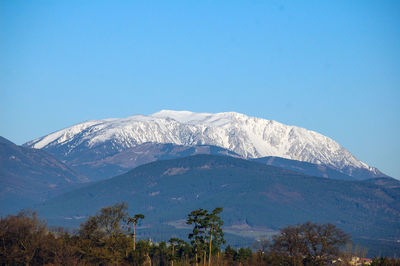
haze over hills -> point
(305, 168)
(98, 163)
(119, 163)
(29, 176)
(257, 199)
(265, 174)
(248, 137)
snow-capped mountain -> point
(249, 137)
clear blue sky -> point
(329, 66)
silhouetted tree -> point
(173, 241)
(384, 261)
(25, 240)
(230, 254)
(309, 243)
(206, 227)
(261, 246)
(243, 255)
(103, 238)
(134, 220)
(199, 234)
(213, 224)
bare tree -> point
(309, 243)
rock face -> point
(250, 137)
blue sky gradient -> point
(328, 66)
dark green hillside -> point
(105, 161)
(257, 199)
(307, 168)
(30, 176)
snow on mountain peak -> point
(181, 116)
(249, 137)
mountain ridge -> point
(112, 164)
(250, 137)
(252, 194)
(31, 175)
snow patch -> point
(249, 137)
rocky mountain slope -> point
(250, 137)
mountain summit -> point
(249, 137)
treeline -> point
(108, 238)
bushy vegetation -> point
(108, 238)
